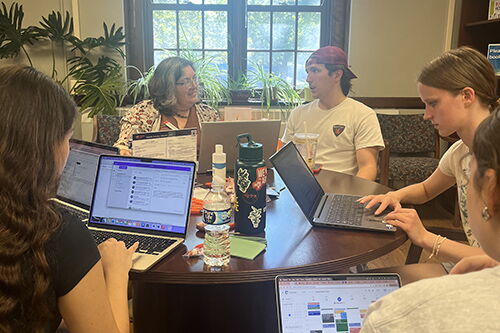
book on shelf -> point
(494, 57)
(494, 10)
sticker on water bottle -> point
(255, 216)
(217, 216)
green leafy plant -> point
(139, 88)
(273, 89)
(97, 79)
(13, 37)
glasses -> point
(187, 82)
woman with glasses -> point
(174, 104)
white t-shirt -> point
(453, 303)
(455, 163)
(342, 130)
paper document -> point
(175, 145)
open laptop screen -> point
(142, 193)
(329, 303)
(299, 180)
(77, 180)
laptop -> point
(76, 185)
(320, 208)
(145, 200)
(330, 302)
(225, 132)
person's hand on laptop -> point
(408, 220)
(116, 258)
(385, 200)
(125, 152)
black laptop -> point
(320, 208)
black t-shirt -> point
(71, 252)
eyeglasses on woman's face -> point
(187, 82)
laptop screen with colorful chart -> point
(329, 303)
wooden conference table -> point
(179, 295)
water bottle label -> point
(218, 165)
(217, 216)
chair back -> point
(409, 134)
(106, 128)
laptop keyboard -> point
(82, 216)
(345, 211)
(147, 245)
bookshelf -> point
(475, 28)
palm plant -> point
(98, 79)
(13, 37)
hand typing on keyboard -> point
(116, 258)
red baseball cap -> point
(331, 55)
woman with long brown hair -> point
(459, 90)
(49, 264)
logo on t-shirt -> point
(338, 129)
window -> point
(238, 35)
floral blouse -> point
(143, 117)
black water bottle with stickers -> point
(250, 175)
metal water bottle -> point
(250, 174)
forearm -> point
(412, 194)
(367, 172)
(450, 250)
(116, 286)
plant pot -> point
(240, 95)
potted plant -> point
(98, 80)
(274, 90)
(240, 90)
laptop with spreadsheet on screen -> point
(145, 200)
(320, 208)
(329, 302)
(76, 185)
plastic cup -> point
(307, 144)
(216, 248)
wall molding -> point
(392, 102)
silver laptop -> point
(329, 302)
(145, 200)
(225, 132)
(320, 208)
(77, 180)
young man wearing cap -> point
(349, 132)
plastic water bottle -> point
(216, 215)
(216, 248)
(217, 204)
(219, 162)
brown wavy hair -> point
(35, 115)
(486, 150)
(162, 84)
(459, 68)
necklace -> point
(180, 115)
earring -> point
(485, 214)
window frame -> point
(139, 29)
